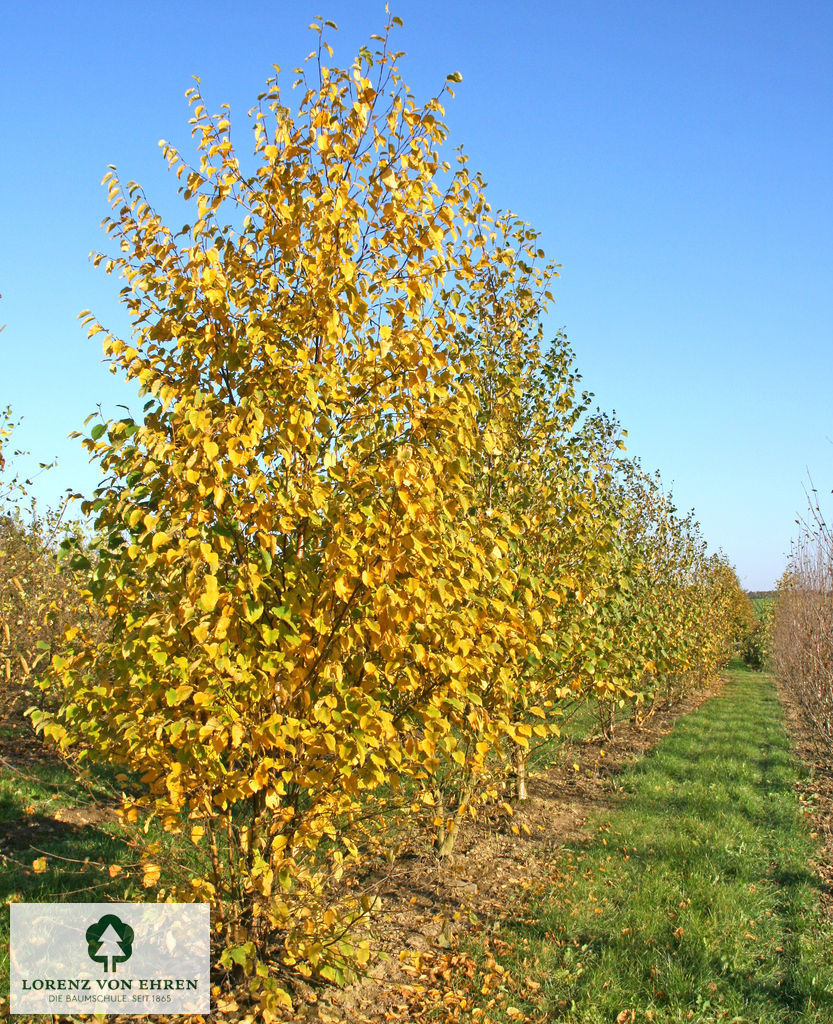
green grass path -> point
(693, 901)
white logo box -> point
(129, 958)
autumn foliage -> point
(39, 593)
(367, 533)
(802, 622)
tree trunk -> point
(446, 837)
(521, 792)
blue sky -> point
(677, 159)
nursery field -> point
(373, 638)
(672, 878)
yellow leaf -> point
(159, 539)
(210, 556)
(211, 594)
(151, 875)
(283, 998)
(39, 865)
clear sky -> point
(677, 158)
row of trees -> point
(368, 535)
(39, 597)
(802, 628)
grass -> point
(693, 901)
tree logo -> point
(109, 941)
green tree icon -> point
(110, 939)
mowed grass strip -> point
(692, 902)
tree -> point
(288, 571)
